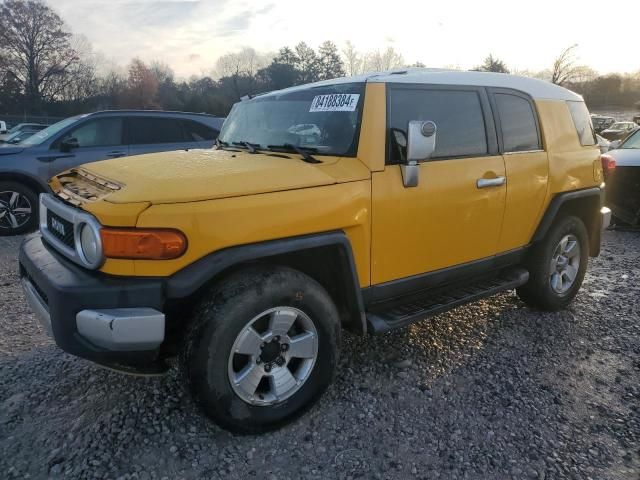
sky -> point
(189, 35)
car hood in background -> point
(195, 175)
(626, 157)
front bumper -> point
(116, 322)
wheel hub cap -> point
(273, 356)
(15, 210)
(565, 264)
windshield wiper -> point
(302, 151)
(252, 147)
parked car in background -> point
(18, 137)
(601, 122)
(636, 119)
(622, 170)
(21, 127)
(603, 143)
(619, 130)
(26, 166)
(3, 127)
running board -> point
(399, 313)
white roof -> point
(537, 89)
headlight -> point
(90, 245)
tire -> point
(551, 290)
(15, 200)
(261, 297)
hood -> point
(9, 149)
(626, 157)
(195, 175)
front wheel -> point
(18, 208)
(557, 266)
(261, 349)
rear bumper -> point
(116, 322)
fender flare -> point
(194, 276)
(556, 204)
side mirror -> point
(69, 144)
(421, 143)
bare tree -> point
(37, 48)
(380, 61)
(352, 59)
(565, 68)
(241, 67)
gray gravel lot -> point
(490, 390)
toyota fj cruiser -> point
(364, 203)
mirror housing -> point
(421, 143)
(69, 144)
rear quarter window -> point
(582, 122)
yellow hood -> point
(189, 176)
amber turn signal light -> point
(142, 244)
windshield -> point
(619, 126)
(43, 135)
(633, 141)
(326, 119)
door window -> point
(197, 132)
(101, 132)
(518, 122)
(457, 114)
(153, 130)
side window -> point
(582, 122)
(457, 114)
(101, 132)
(198, 132)
(151, 130)
(518, 122)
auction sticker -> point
(335, 102)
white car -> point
(3, 127)
(604, 144)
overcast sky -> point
(190, 35)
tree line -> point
(45, 69)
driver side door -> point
(454, 214)
(98, 139)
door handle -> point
(115, 154)
(491, 182)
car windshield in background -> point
(325, 119)
(43, 135)
(632, 142)
(618, 126)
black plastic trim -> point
(191, 278)
(405, 286)
(557, 202)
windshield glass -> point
(632, 142)
(325, 118)
(43, 135)
(618, 126)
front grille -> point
(60, 228)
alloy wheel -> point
(15, 210)
(273, 356)
(565, 264)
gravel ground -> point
(490, 390)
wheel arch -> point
(325, 257)
(27, 180)
(584, 204)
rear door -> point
(148, 134)
(526, 165)
(98, 139)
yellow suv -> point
(363, 203)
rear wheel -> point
(18, 208)
(557, 266)
(262, 348)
